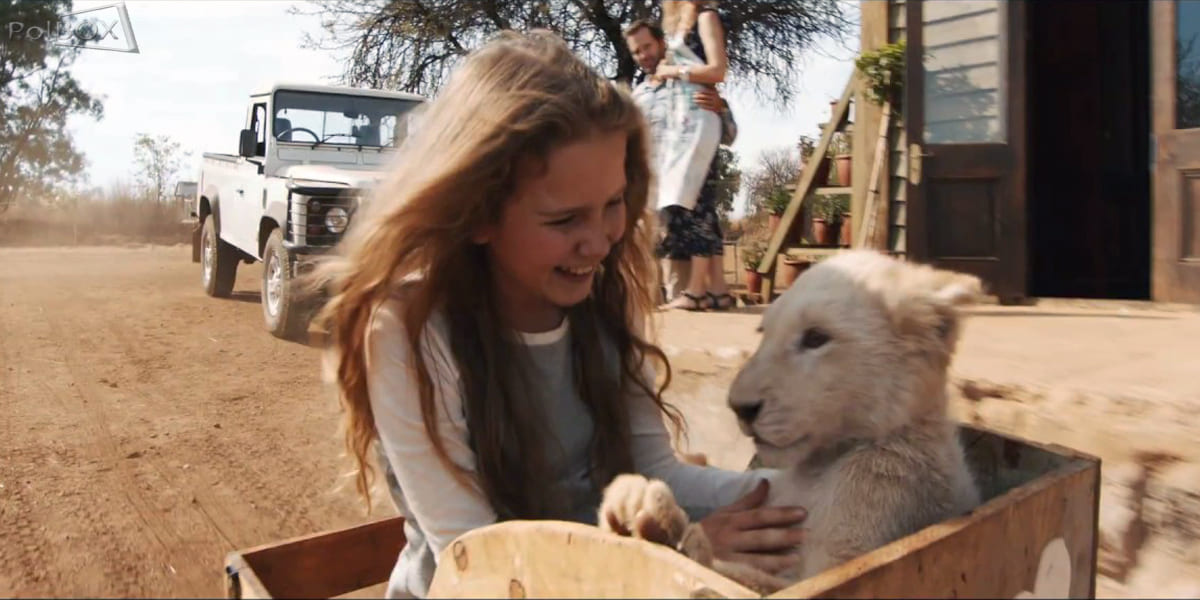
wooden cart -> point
(1035, 534)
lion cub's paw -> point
(639, 507)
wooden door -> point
(1175, 81)
(964, 113)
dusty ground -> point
(146, 429)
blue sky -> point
(200, 59)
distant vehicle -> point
(306, 154)
(184, 197)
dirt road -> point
(146, 429)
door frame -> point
(1006, 274)
(1173, 277)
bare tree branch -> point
(413, 44)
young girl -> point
(486, 317)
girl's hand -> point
(763, 537)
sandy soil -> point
(146, 429)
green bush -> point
(777, 202)
(883, 70)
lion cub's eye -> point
(813, 338)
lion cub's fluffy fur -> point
(849, 383)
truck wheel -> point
(218, 260)
(286, 309)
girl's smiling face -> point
(556, 230)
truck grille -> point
(306, 218)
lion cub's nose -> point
(748, 412)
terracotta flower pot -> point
(773, 223)
(843, 169)
(822, 232)
(847, 231)
(753, 281)
(791, 270)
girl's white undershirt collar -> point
(545, 338)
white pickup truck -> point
(306, 154)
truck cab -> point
(306, 157)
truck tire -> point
(219, 261)
(197, 232)
(286, 307)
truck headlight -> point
(336, 219)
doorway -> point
(1089, 149)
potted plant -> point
(776, 203)
(822, 221)
(751, 256)
(808, 146)
(840, 152)
(839, 211)
(882, 71)
(792, 268)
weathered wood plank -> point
(994, 551)
(559, 559)
(1037, 496)
(321, 565)
(840, 111)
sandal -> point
(724, 301)
(688, 301)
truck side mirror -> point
(247, 143)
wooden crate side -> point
(240, 580)
(321, 565)
(993, 552)
(559, 559)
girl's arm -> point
(738, 526)
(443, 507)
(699, 490)
(712, 36)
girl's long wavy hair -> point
(518, 97)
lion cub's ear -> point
(924, 303)
(956, 289)
(951, 290)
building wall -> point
(898, 148)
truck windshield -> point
(340, 119)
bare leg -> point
(716, 276)
(678, 274)
(698, 282)
(692, 296)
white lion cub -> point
(846, 397)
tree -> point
(413, 44)
(37, 94)
(158, 159)
(768, 182)
(728, 179)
